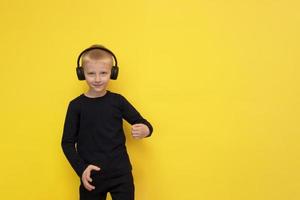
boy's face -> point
(97, 74)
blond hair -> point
(95, 54)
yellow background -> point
(219, 81)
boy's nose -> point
(97, 78)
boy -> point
(93, 137)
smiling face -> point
(97, 75)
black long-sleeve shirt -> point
(93, 132)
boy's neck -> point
(94, 94)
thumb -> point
(94, 167)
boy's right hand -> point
(86, 177)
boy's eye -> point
(93, 73)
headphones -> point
(114, 69)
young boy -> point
(93, 137)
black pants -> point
(120, 187)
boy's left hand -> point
(139, 131)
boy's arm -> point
(132, 116)
(69, 139)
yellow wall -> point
(219, 80)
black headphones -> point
(114, 69)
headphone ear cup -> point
(80, 73)
(114, 72)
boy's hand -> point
(139, 131)
(86, 177)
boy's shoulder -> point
(115, 94)
(75, 102)
(76, 99)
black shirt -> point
(93, 132)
